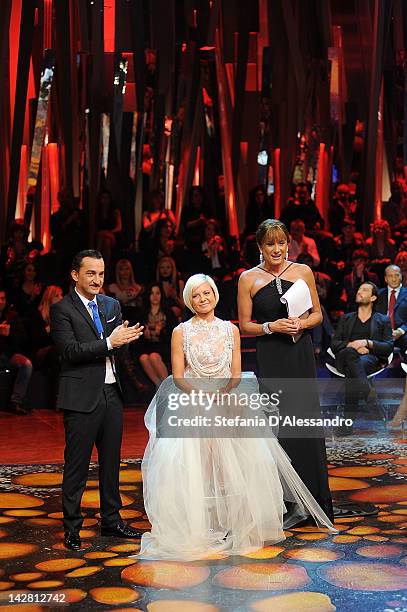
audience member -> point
(342, 207)
(392, 301)
(357, 277)
(348, 241)
(361, 342)
(214, 249)
(155, 346)
(108, 226)
(13, 349)
(300, 243)
(258, 209)
(151, 217)
(127, 291)
(401, 262)
(393, 211)
(27, 295)
(68, 231)
(16, 252)
(169, 279)
(302, 207)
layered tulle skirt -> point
(218, 494)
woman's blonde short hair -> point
(193, 283)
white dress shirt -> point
(109, 376)
(397, 291)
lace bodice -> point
(207, 348)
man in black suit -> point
(361, 342)
(87, 330)
(393, 301)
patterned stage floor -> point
(364, 567)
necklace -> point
(277, 277)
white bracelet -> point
(266, 328)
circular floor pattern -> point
(114, 595)
(91, 499)
(45, 584)
(365, 576)
(119, 562)
(263, 577)
(38, 479)
(336, 483)
(268, 552)
(165, 574)
(100, 555)
(130, 476)
(384, 493)
(384, 551)
(60, 565)
(313, 555)
(83, 572)
(19, 500)
(363, 530)
(304, 601)
(11, 550)
(22, 513)
(359, 471)
(27, 576)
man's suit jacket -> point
(400, 308)
(83, 353)
(380, 334)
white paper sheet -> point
(297, 298)
(298, 301)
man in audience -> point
(361, 343)
(392, 300)
(357, 277)
(393, 210)
(302, 207)
(300, 243)
(13, 342)
(342, 207)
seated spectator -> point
(69, 235)
(342, 207)
(152, 217)
(300, 243)
(259, 209)
(380, 247)
(169, 279)
(302, 207)
(393, 211)
(348, 241)
(43, 351)
(392, 301)
(214, 249)
(357, 277)
(401, 262)
(127, 291)
(108, 226)
(193, 219)
(13, 349)
(361, 343)
(155, 345)
(16, 252)
(27, 295)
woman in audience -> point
(27, 296)
(150, 223)
(108, 226)
(173, 286)
(380, 247)
(127, 291)
(158, 321)
(214, 249)
(44, 354)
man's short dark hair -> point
(79, 257)
(375, 290)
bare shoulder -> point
(301, 271)
(235, 329)
(177, 332)
(248, 276)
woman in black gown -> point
(260, 290)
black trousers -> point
(356, 368)
(103, 427)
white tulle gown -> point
(209, 495)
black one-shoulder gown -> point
(279, 357)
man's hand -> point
(4, 329)
(363, 350)
(123, 334)
(397, 333)
(357, 344)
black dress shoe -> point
(72, 540)
(17, 408)
(121, 530)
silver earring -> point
(286, 255)
(261, 257)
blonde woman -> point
(206, 492)
(173, 286)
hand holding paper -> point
(298, 301)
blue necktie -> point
(96, 318)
